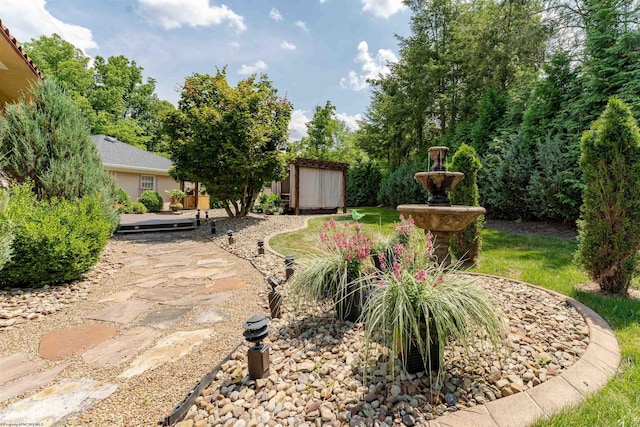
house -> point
(17, 70)
(135, 170)
(313, 187)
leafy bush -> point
(555, 188)
(609, 226)
(138, 208)
(55, 240)
(269, 203)
(122, 197)
(152, 200)
(465, 245)
(363, 184)
(45, 139)
(6, 235)
(504, 179)
(401, 187)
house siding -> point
(130, 183)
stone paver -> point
(30, 382)
(228, 284)
(196, 273)
(165, 293)
(212, 261)
(121, 312)
(119, 296)
(53, 404)
(210, 316)
(61, 343)
(121, 348)
(15, 366)
(167, 349)
(204, 299)
(150, 282)
(518, 410)
(164, 318)
(553, 395)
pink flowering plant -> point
(417, 303)
(338, 272)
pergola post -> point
(297, 189)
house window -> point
(147, 182)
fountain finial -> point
(439, 156)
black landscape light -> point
(275, 299)
(206, 214)
(256, 329)
(288, 263)
(213, 227)
(260, 247)
(230, 236)
(198, 218)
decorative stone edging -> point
(589, 374)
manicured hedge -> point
(152, 200)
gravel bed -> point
(320, 372)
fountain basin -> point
(442, 218)
(442, 222)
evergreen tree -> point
(466, 244)
(609, 225)
(44, 139)
(6, 236)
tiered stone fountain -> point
(438, 216)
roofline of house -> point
(125, 168)
(20, 50)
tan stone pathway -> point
(140, 341)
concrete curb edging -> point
(589, 374)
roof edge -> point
(20, 51)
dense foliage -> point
(466, 244)
(363, 183)
(45, 140)
(229, 138)
(110, 92)
(6, 235)
(518, 81)
(609, 226)
(54, 240)
(401, 187)
(151, 200)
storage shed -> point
(313, 186)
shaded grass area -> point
(546, 262)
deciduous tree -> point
(229, 138)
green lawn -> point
(549, 263)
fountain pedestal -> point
(438, 216)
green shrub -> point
(6, 235)
(55, 240)
(401, 187)
(609, 226)
(465, 245)
(363, 184)
(122, 197)
(138, 208)
(45, 139)
(152, 200)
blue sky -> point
(313, 50)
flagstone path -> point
(170, 310)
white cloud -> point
(302, 26)
(287, 45)
(254, 68)
(298, 125)
(372, 68)
(30, 19)
(275, 15)
(382, 8)
(350, 120)
(171, 14)
(323, 1)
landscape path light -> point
(260, 247)
(198, 218)
(275, 299)
(256, 329)
(288, 263)
(230, 236)
(213, 227)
